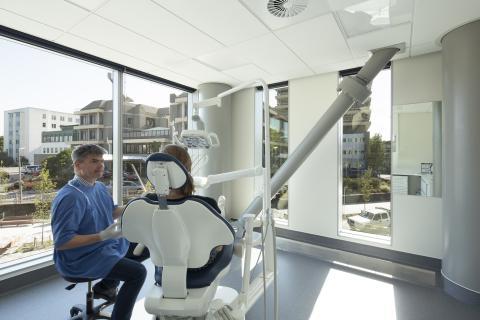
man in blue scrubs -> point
(88, 242)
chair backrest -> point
(178, 236)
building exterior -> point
(22, 127)
(179, 112)
(356, 123)
(145, 128)
(54, 142)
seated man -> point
(87, 243)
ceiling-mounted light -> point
(286, 8)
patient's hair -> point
(181, 154)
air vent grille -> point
(286, 8)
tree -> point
(24, 161)
(3, 180)
(6, 161)
(60, 166)
(1, 143)
(376, 154)
(366, 186)
(44, 187)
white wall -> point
(313, 190)
(417, 221)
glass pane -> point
(279, 147)
(366, 158)
(152, 113)
(45, 100)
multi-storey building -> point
(179, 112)
(54, 142)
(22, 127)
(145, 128)
(356, 123)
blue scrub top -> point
(80, 209)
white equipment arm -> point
(353, 89)
(205, 182)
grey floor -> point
(309, 289)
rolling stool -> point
(86, 311)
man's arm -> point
(80, 240)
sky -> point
(380, 106)
(33, 77)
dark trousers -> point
(130, 270)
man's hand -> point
(112, 231)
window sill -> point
(17, 267)
(385, 240)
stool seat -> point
(78, 280)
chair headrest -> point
(177, 173)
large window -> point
(152, 113)
(68, 95)
(366, 158)
(279, 147)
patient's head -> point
(181, 154)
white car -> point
(368, 220)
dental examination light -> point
(198, 139)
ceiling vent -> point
(286, 8)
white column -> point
(461, 178)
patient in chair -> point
(181, 154)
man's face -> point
(90, 168)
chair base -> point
(89, 311)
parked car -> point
(33, 169)
(131, 186)
(130, 176)
(377, 219)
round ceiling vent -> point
(286, 8)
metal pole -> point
(20, 174)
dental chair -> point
(180, 235)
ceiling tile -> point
(12, 20)
(247, 72)
(270, 54)
(197, 70)
(225, 58)
(362, 44)
(121, 58)
(101, 51)
(431, 25)
(367, 16)
(328, 45)
(259, 8)
(227, 20)
(120, 39)
(152, 21)
(90, 5)
(54, 13)
(339, 66)
(424, 49)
